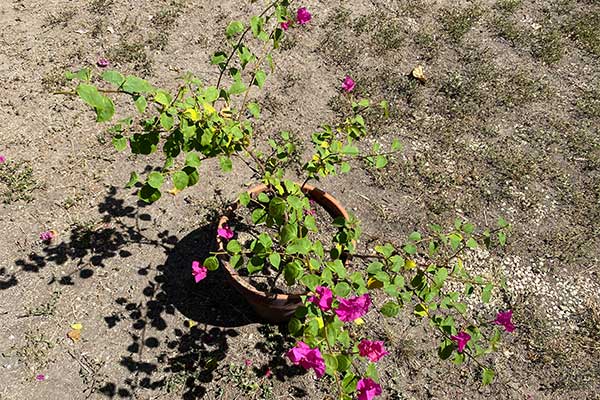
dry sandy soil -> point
(507, 124)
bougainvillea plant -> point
(341, 287)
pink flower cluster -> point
(302, 18)
(373, 350)
(199, 272)
(367, 389)
(504, 318)
(307, 358)
(225, 232)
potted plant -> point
(331, 285)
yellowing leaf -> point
(373, 283)
(410, 264)
(419, 74)
(174, 191)
(359, 321)
(189, 323)
(320, 322)
(77, 326)
(208, 109)
(192, 114)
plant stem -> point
(239, 43)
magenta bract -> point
(353, 308)
(307, 358)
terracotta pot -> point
(270, 306)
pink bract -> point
(372, 350)
(303, 16)
(225, 232)
(102, 62)
(307, 358)
(46, 236)
(199, 272)
(461, 340)
(2, 159)
(348, 84)
(323, 299)
(367, 389)
(504, 318)
(40, 377)
(285, 25)
(353, 308)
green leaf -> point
(218, 58)
(299, 246)
(225, 163)
(288, 233)
(140, 104)
(263, 197)
(331, 364)
(119, 142)
(277, 207)
(103, 106)
(310, 281)
(502, 238)
(446, 348)
(83, 75)
(350, 150)
(486, 293)
(472, 243)
(234, 247)
(134, 85)
(193, 175)
(344, 362)
(415, 236)
(245, 199)
(396, 145)
(237, 88)
(260, 78)
(133, 179)
(294, 326)
(371, 372)
(149, 194)
(342, 289)
(344, 167)
(166, 121)
(487, 376)
(390, 309)
(155, 179)
(259, 216)
(291, 272)
(275, 260)
(211, 94)
(113, 77)
(162, 97)
(380, 161)
(254, 109)
(234, 28)
(192, 160)
(349, 382)
(410, 249)
(211, 263)
(180, 180)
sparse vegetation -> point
(18, 181)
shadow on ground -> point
(188, 356)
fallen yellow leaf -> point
(77, 326)
(419, 74)
(74, 335)
(359, 321)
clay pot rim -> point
(319, 197)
